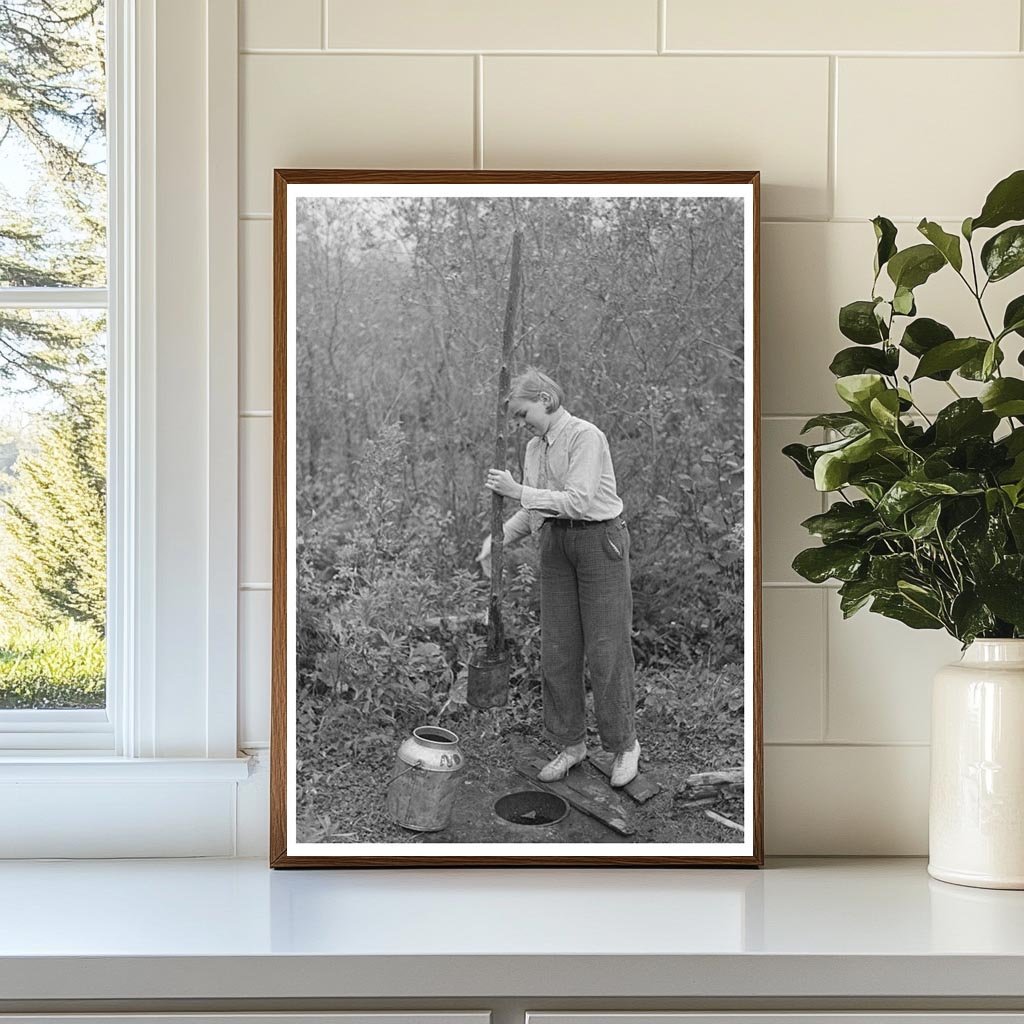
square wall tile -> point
(962, 122)
(846, 801)
(472, 25)
(254, 628)
(269, 24)
(794, 663)
(808, 272)
(787, 499)
(330, 110)
(868, 25)
(880, 676)
(683, 113)
(255, 316)
(255, 511)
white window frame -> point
(168, 740)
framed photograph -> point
(516, 612)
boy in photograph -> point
(568, 496)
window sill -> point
(78, 766)
(79, 806)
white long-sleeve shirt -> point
(579, 481)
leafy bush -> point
(933, 534)
(61, 667)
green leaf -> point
(912, 267)
(1013, 318)
(841, 421)
(990, 360)
(965, 229)
(887, 570)
(799, 455)
(857, 321)
(849, 361)
(1003, 254)
(994, 499)
(831, 471)
(858, 389)
(885, 409)
(1005, 202)
(855, 594)
(947, 244)
(906, 494)
(923, 335)
(885, 236)
(950, 355)
(925, 518)
(843, 521)
(1005, 596)
(970, 617)
(1004, 397)
(841, 561)
(864, 447)
(903, 302)
(964, 418)
(897, 607)
(974, 368)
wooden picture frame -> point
(391, 288)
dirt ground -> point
(346, 803)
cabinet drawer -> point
(359, 1017)
(790, 1017)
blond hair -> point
(532, 383)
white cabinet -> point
(362, 1017)
(786, 1017)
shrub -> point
(60, 667)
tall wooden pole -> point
(495, 628)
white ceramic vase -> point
(976, 812)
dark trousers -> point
(586, 613)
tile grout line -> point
(478, 111)
(258, 51)
(323, 24)
(1020, 24)
(831, 170)
(825, 652)
(854, 744)
(662, 41)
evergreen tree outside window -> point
(53, 381)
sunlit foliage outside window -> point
(53, 215)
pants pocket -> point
(614, 541)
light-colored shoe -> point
(558, 767)
(625, 766)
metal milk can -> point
(423, 785)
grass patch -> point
(61, 667)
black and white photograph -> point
(516, 567)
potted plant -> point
(927, 521)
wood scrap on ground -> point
(641, 789)
(723, 820)
(705, 788)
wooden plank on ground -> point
(584, 794)
(641, 789)
(705, 788)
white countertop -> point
(235, 929)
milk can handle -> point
(411, 768)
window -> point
(155, 770)
(53, 370)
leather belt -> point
(579, 524)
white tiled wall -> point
(909, 110)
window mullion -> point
(53, 298)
